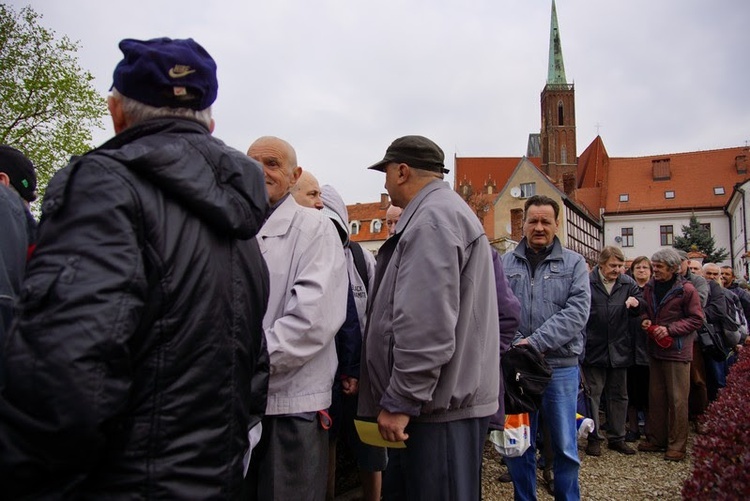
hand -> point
(350, 385)
(645, 324)
(521, 342)
(660, 332)
(392, 425)
(631, 302)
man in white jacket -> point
(306, 307)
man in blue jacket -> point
(553, 286)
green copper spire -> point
(556, 70)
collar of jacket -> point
(555, 255)
(153, 126)
(280, 220)
(413, 205)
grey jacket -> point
(554, 304)
(431, 349)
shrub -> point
(721, 458)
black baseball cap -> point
(20, 170)
(416, 151)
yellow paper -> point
(369, 434)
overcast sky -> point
(340, 79)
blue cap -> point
(167, 73)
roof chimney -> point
(385, 201)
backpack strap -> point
(359, 263)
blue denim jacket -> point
(555, 304)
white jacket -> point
(306, 307)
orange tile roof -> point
(365, 213)
(478, 170)
(694, 175)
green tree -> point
(48, 105)
(696, 238)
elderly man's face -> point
(712, 272)
(279, 172)
(392, 215)
(662, 272)
(540, 226)
(695, 268)
(307, 191)
(612, 268)
(727, 276)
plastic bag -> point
(515, 439)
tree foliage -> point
(696, 238)
(48, 105)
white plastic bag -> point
(515, 439)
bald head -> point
(392, 215)
(307, 191)
(279, 162)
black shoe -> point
(594, 448)
(632, 436)
(505, 477)
(621, 447)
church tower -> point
(558, 134)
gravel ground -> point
(612, 476)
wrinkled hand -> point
(645, 324)
(631, 302)
(392, 425)
(350, 385)
(660, 332)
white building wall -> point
(740, 221)
(646, 229)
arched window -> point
(375, 226)
(560, 114)
(563, 155)
(354, 227)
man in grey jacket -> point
(552, 284)
(430, 368)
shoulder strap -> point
(360, 264)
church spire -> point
(556, 69)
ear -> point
(118, 116)
(4, 179)
(404, 173)
(296, 173)
(211, 126)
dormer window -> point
(375, 226)
(354, 227)
(718, 190)
(661, 171)
(624, 197)
(669, 194)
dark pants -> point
(290, 461)
(442, 461)
(615, 382)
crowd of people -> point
(192, 322)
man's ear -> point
(404, 173)
(4, 179)
(296, 173)
(118, 116)
(211, 126)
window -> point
(666, 232)
(528, 190)
(718, 190)
(661, 171)
(627, 237)
(669, 194)
(563, 155)
(706, 227)
(354, 227)
(376, 225)
(560, 116)
(624, 197)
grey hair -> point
(668, 257)
(137, 112)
